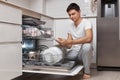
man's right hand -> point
(60, 40)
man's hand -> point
(61, 41)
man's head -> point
(73, 11)
(73, 6)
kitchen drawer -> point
(10, 14)
(10, 60)
(10, 33)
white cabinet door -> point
(10, 42)
(10, 61)
(38, 5)
(10, 14)
(34, 5)
(10, 33)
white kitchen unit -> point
(34, 5)
(10, 42)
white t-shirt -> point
(79, 31)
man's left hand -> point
(63, 41)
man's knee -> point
(87, 47)
(71, 55)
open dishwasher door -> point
(53, 70)
(50, 61)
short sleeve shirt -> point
(79, 31)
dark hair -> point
(73, 6)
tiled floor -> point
(95, 75)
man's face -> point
(74, 15)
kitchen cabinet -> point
(48, 7)
(34, 5)
(10, 60)
(10, 14)
(38, 6)
(10, 33)
(10, 42)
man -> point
(79, 39)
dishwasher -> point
(41, 58)
(49, 61)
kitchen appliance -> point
(108, 35)
(39, 58)
(50, 58)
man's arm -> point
(62, 40)
(69, 38)
(86, 39)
